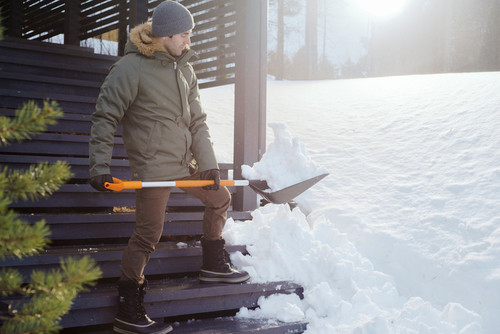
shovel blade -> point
(287, 194)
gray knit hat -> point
(171, 18)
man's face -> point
(176, 44)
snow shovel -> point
(277, 197)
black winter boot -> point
(217, 266)
(132, 317)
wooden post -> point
(15, 20)
(311, 39)
(138, 12)
(280, 47)
(122, 27)
(72, 22)
(250, 93)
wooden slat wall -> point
(99, 17)
(213, 37)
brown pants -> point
(151, 205)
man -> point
(153, 91)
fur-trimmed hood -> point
(141, 37)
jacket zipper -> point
(186, 152)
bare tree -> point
(280, 48)
(311, 38)
(284, 8)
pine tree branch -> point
(29, 120)
(40, 180)
(19, 239)
(52, 294)
(10, 282)
(74, 274)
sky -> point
(403, 235)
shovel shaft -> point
(119, 185)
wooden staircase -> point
(86, 222)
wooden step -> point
(62, 52)
(48, 85)
(59, 144)
(53, 70)
(119, 225)
(231, 325)
(13, 99)
(68, 123)
(173, 297)
(218, 325)
(84, 196)
(169, 258)
(80, 165)
(22, 43)
(42, 66)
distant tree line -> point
(429, 36)
(437, 36)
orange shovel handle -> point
(202, 183)
(119, 185)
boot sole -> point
(123, 331)
(126, 331)
(216, 278)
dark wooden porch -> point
(230, 37)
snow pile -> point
(403, 236)
(343, 292)
(285, 162)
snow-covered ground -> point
(403, 236)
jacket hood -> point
(141, 41)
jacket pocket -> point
(153, 142)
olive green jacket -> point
(156, 99)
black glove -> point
(211, 174)
(98, 182)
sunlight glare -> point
(381, 7)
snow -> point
(403, 236)
(285, 162)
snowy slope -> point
(404, 235)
